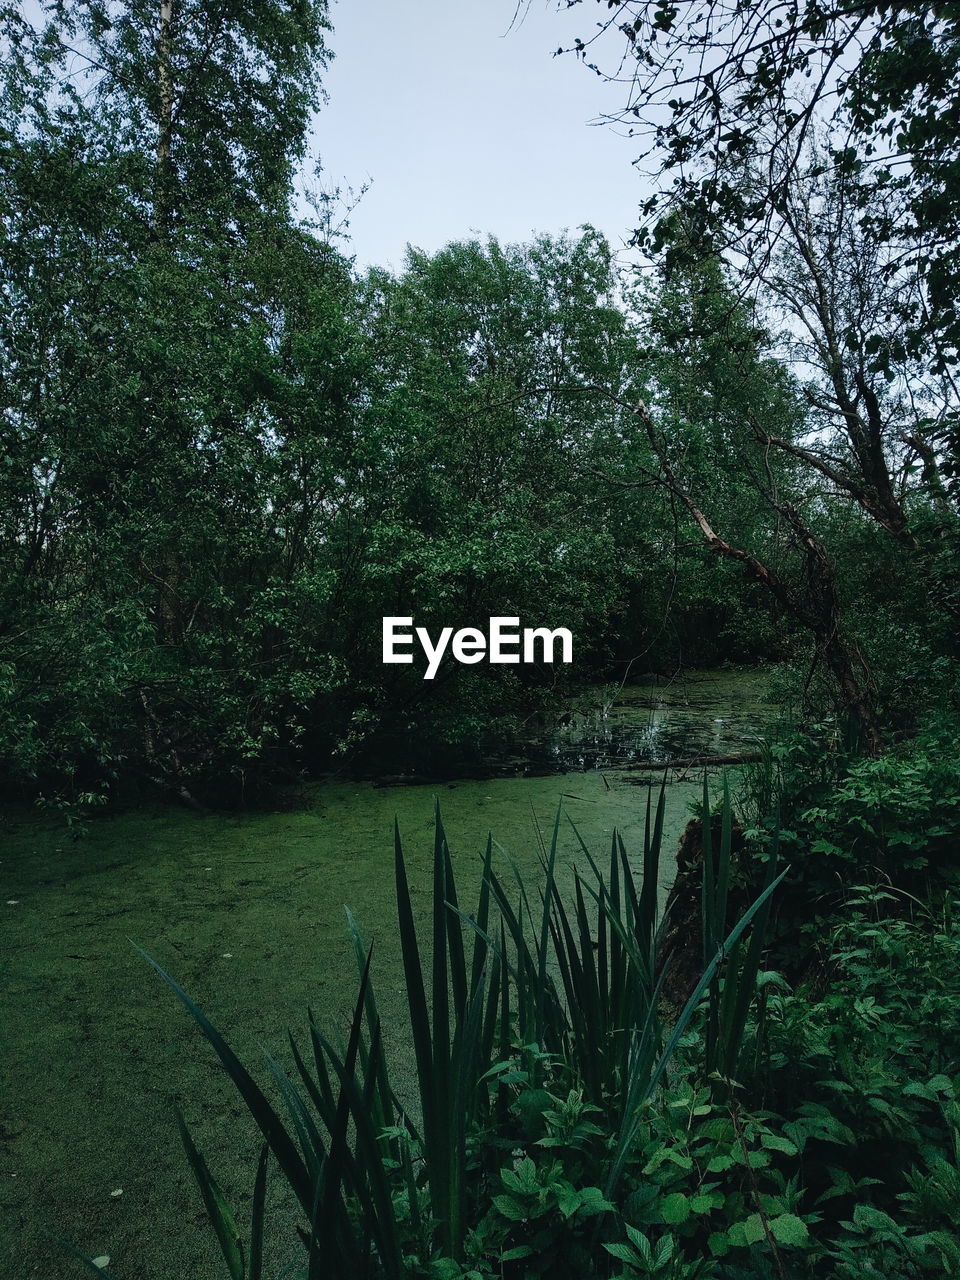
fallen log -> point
(697, 762)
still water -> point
(247, 912)
(701, 713)
(589, 767)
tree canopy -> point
(227, 453)
(725, 99)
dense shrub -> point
(570, 1124)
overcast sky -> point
(464, 128)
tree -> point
(880, 421)
(214, 100)
(720, 88)
(814, 148)
(151, 274)
(711, 400)
(467, 496)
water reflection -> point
(663, 720)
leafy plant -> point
(538, 1045)
(813, 1135)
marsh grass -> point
(562, 983)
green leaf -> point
(639, 1242)
(718, 1243)
(664, 1252)
(719, 1164)
(787, 1228)
(705, 1201)
(748, 1232)
(865, 1215)
(511, 1208)
(218, 1211)
(255, 1268)
(758, 1159)
(592, 1200)
(775, 1143)
(675, 1208)
(623, 1252)
(519, 1251)
(271, 1126)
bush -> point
(844, 821)
(538, 1041)
(570, 1125)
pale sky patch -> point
(465, 128)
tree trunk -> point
(164, 175)
(818, 608)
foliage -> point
(876, 1055)
(898, 815)
(845, 821)
(808, 148)
(202, 613)
(725, 92)
(561, 1128)
(227, 454)
(538, 1045)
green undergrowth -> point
(248, 911)
(570, 1121)
(845, 820)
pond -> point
(247, 912)
(589, 764)
(696, 714)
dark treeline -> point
(227, 453)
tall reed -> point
(573, 980)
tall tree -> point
(151, 271)
(714, 87)
(881, 417)
(215, 98)
(709, 400)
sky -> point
(463, 127)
